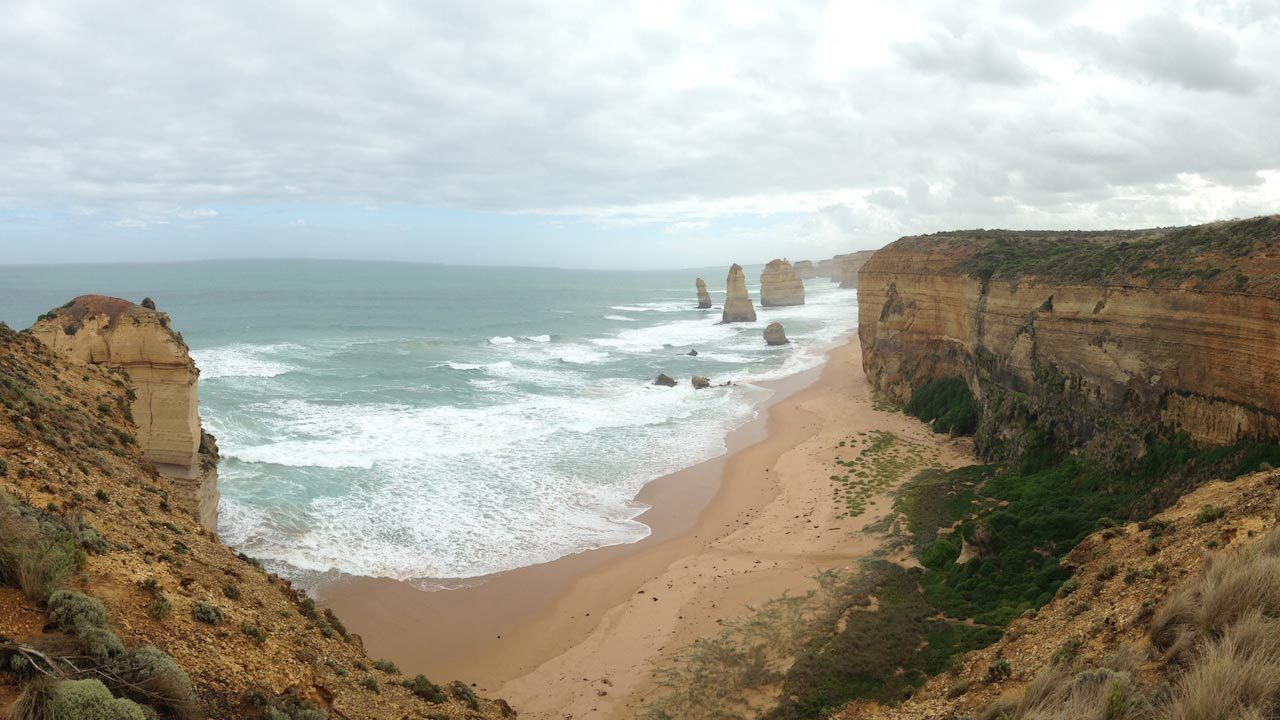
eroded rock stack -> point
(737, 303)
(779, 285)
(775, 335)
(805, 269)
(848, 267)
(704, 297)
(100, 330)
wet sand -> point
(581, 636)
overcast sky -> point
(620, 134)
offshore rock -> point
(737, 304)
(664, 380)
(774, 334)
(704, 297)
(779, 285)
(805, 269)
(700, 382)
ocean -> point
(418, 421)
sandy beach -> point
(581, 636)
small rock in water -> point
(692, 353)
(774, 335)
(700, 382)
(664, 380)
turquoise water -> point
(418, 421)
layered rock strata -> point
(162, 379)
(1095, 338)
(845, 268)
(805, 269)
(737, 303)
(704, 297)
(780, 286)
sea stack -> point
(851, 266)
(774, 334)
(704, 297)
(737, 304)
(100, 330)
(780, 286)
(805, 269)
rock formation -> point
(774, 334)
(780, 286)
(805, 269)
(704, 297)
(1091, 336)
(692, 352)
(700, 382)
(823, 268)
(737, 304)
(664, 380)
(844, 268)
(115, 333)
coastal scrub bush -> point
(88, 699)
(74, 612)
(386, 666)
(424, 688)
(464, 694)
(37, 552)
(947, 403)
(207, 612)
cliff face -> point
(115, 333)
(737, 304)
(780, 286)
(805, 269)
(704, 297)
(846, 267)
(1091, 337)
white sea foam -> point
(537, 453)
(242, 360)
(620, 318)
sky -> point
(648, 134)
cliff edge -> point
(1089, 338)
(162, 379)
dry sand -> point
(581, 636)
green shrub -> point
(254, 632)
(207, 612)
(370, 684)
(159, 607)
(386, 666)
(464, 694)
(999, 670)
(1208, 514)
(90, 700)
(100, 644)
(150, 676)
(947, 403)
(425, 689)
(231, 591)
(74, 612)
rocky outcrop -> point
(162, 378)
(664, 380)
(775, 335)
(805, 269)
(704, 297)
(823, 268)
(700, 382)
(1090, 338)
(844, 268)
(779, 285)
(737, 303)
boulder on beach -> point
(737, 303)
(704, 297)
(700, 382)
(774, 335)
(780, 286)
(664, 380)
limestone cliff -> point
(823, 268)
(845, 267)
(704, 297)
(162, 379)
(780, 286)
(1091, 338)
(737, 303)
(805, 269)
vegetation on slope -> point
(947, 404)
(117, 604)
(1213, 253)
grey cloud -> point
(975, 56)
(1167, 48)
